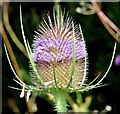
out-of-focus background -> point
(99, 46)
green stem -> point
(60, 100)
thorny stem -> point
(109, 25)
(60, 100)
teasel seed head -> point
(53, 52)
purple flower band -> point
(56, 49)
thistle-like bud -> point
(53, 52)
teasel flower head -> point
(59, 52)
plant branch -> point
(10, 30)
(109, 25)
(11, 53)
(73, 105)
